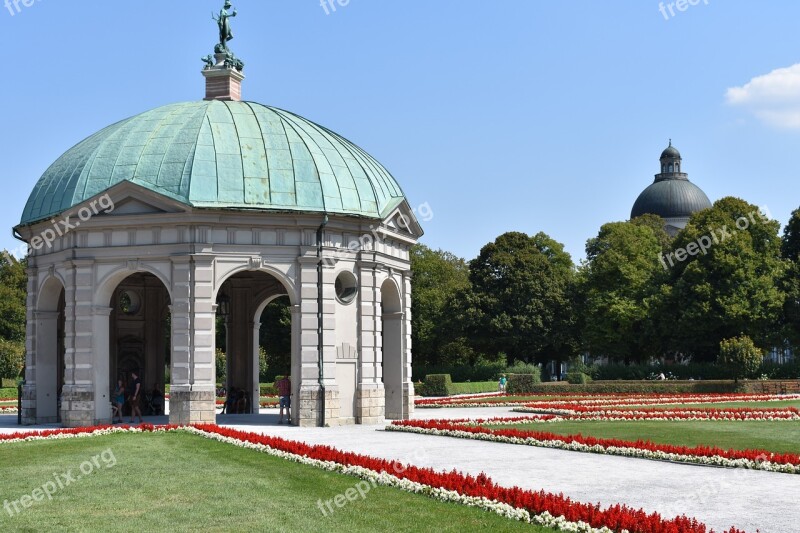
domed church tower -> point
(155, 232)
(671, 196)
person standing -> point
(502, 383)
(284, 387)
(119, 401)
(135, 396)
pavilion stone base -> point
(78, 408)
(29, 405)
(311, 407)
(408, 404)
(370, 405)
(192, 405)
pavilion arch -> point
(45, 367)
(393, 361)
(108, 283)
(241, 298)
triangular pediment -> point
(402, 223)
(130, 199)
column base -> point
(77, 407)
(371, 404)
(408, 404)
(192, 405)
(311, 407)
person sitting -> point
(157, 401)
(230, 401)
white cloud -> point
(773, 98)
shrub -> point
(637, 387)
(438, 385)
(520, 367)
(576, 377)
(12, 358)
(263, 368)
(219, 360)
(522, 383)
(267, 390)
(741, 356)
(473, 387)
(480, 371)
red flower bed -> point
(700, 451)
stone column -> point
(46, 369)
(255, 384)
(193, 394)
(101, 324)
(29, 389)
(78, 407)
(312, 403)
(370, 395)
(408, 381)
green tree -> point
(276, 337)
(522, 299)
(725, 273)
(12, 358)
(790, 244)
(741, 356)
(790, 247)
(616, 285)
(440, 279)
(13, 291)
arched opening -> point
(49, 368)
(253, 339)
(670, 167)
(392, 362)
(139, 342)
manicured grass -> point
(782, 437)
(182, 482)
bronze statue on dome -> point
(224, 23)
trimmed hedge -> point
(8, 392)
(462, 373)
(438, 385)
(268, 390)
(522, 383)
(473, 387)
(637, 387)
(578, 378)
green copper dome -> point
(221, 155)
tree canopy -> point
(522, 297)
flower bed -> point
(704, 455)
(601, 400)
(603, 413)
(551, 510)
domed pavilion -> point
(671, 196)
(151, 232)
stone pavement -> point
(721, 498)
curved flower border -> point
(702, 455)
(542, 508)
(580, 399)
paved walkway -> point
(721, 498)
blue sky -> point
(505, 115)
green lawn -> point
(782, 437)
(182, 482)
